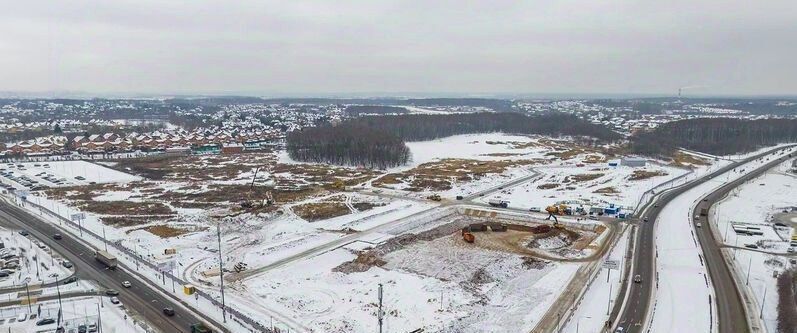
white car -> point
(126, 284)
(115, 300)
(698, 224)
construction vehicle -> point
(468, 237)
(268, 201)
(106, 258)
(434, 197)
(339, 185)
(498, 203)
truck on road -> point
(498, 203)
(105, 258)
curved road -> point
(730, 308)
(636, 306)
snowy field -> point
(493, 146)
(602, 185)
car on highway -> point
(71, 279)
(115, 300)
(45, 321)
(698, 224)
(751, 246)
(126, 284)
(637, 278)
(111, 292)
(169, 312)
(23, 232)
(645, 219)
(57, 236)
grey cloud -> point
(313, 47)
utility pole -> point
(60, 307)
(761, 313)
(380, 313)
(104, 240)
(99, 319)
(609, 301)
(221, 273)
(747, 283)
(27, 290)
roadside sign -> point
(77, 216)
(611, 264)
(167, 266)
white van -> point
(22, 317)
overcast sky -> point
(393, 47)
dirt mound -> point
(362, 263)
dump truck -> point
(498, 203)
(106, 258)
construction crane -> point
(247, 203)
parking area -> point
(35, 176)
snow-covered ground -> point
(36, 264)
(623, 191)
(682, 293)
(593, 309)
(422, 289)
(77, 311)
(755, 204)
(488, 147)
(67, 173)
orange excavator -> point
(468, 237)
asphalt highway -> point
(144, 300)
(635, 308)
(730, 308)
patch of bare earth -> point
(606, 190)
(643, 174)
(438, 175)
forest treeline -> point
(347, 144)
(419, 127)
(378, 141)
(718, 136)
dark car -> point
(23, 232)
(67, 264)
(82, 329)
(168, 312)
(70, 279)
(459, 197)
(111, 292)
(45, 321)
(57, 236)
